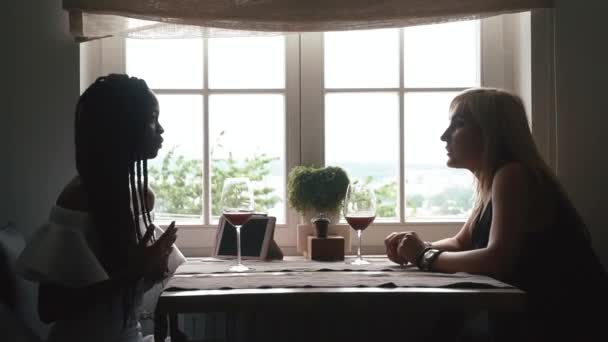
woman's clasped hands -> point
(404, 247)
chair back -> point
(18, 297)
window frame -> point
(304, 103)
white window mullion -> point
(292, 123)
(206, 162)
(401, 192)
(312, 121)
(285, 234)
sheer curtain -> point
(90, 19)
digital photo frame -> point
(256, 237)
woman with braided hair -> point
(97, 253)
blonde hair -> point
(506, 136)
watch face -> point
(428, 258)
(428, 255)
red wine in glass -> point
(238, 218)
(237, 203)
(359, 211)
(360, 222)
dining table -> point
(296, 284)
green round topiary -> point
(321, 189)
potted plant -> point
(317, 190)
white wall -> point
(582, 114)
(506, 50)
(43, 86)
(518, 40)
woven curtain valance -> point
(91, 19)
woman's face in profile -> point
(463, 141)
(153, 139)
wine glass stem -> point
(238, 244)
(359, 248)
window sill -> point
(198, 240)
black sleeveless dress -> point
(567, 294)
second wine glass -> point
(237, 205)
(359, 211)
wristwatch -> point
(427, 257)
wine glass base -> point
(360, 262)
(239, 268)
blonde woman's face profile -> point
(463, 141)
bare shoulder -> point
(512, 187)
(73, 196)
(514, 193)
(150, 198)
(516, 185)
(511, 175)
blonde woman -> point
(524, 230)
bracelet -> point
(420, 255)
(426, 260)
(433, 258)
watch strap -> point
(428, 257)
(420, 255)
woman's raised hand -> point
(155, 258)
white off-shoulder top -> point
(65, 251)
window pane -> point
(362, 59)
(166, 63)
(247, 139)
(444, 55)
(251, 62)
(176, 173)
(432, 190)
(362, 136)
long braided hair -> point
(110, 125)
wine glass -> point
(359, 211)
(237, 205)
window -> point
(373, 102)
(223, 108)
(384, 85)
